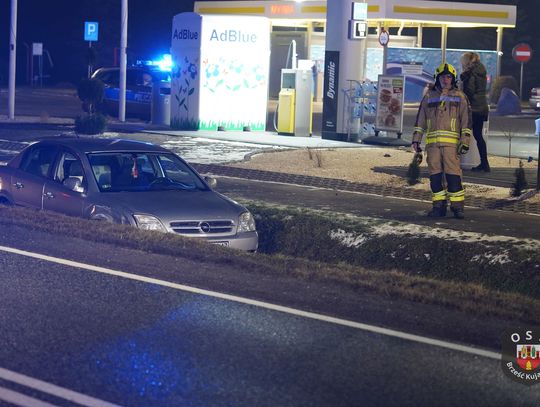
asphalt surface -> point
(136, 343)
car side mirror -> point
(211, 181)
(74, 183)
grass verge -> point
(310, 235)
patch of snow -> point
(387, 228)
(500, 258)
(348, 239)
(201, 150)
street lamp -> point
(123, 62)
(12, 60)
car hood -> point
(175, 205)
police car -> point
(139, 82)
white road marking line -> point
(52, 389)
(22, 400)
(261, 304)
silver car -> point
(126, 182)
(534, 100)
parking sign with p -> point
(91, 31)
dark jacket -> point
(474, 86)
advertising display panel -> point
(185, 72)
(390, 98)
(220, 79)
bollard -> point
(537, 132)
(160, 103)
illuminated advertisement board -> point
(220, 72)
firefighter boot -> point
(438, 210)
(457, 208)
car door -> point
(27, 181)
(110, 77)
(138, 93)
(62, 193)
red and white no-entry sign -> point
(522, 53)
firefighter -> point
(444, 117)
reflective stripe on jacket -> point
(444, 118)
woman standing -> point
(474, 81)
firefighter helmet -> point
(445, 69)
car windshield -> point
(136, 171)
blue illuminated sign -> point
(91, 31)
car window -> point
(133, 78)
(110, 78)
(127, 171)
(144, 79)
(176, 170)
(39, 160)
(69, 166)
(161, 76)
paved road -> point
(411, 211)
(129, 342)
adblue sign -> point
(236, 33)
(185, 34)
(233, 36)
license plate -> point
(221, 243)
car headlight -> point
(246, 223)
(147, 222)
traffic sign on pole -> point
(522, 53)
(91, 30)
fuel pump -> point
(295, 104)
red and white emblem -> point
(528, 356)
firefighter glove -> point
(462, 148)
(416, 147)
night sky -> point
(59, 25)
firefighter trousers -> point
(444, 159)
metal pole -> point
(123, 63)
(12, 60)
(537, 133)
(499, 50)
(32, 67)
(40, 59)
(521, 83)
(538, 166)
(444, 34)
(384, 58)
(89, 67)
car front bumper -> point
(534, 103)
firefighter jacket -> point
(444, 117)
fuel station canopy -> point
(386, 13)
(391, 12)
